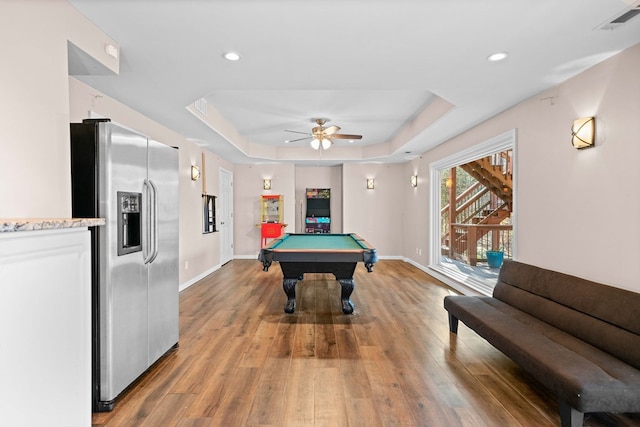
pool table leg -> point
(289, 286)
(347, 288)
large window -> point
(472, 212)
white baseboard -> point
(461, 284)
(201, 276)
(246, 257)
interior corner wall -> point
(248, 181)
(199, 253)
(577, 211)
(415, 226)
(35, 177)
(319, 177)
(376, 215)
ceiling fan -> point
(321, 136)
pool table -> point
(338, 254)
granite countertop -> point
(31, 224)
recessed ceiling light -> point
(498, 56)
(231, 56)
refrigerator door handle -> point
(147, 245)
(154, 222)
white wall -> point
(577, 211)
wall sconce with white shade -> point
(195, 173)
(370, 183)
(414, 180)
(266, 184)
(583, 133)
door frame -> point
(226, 216)
(503, 142)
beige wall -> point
(376, 215)
(35, 178)
(38, 101)
(577, 211)
(319, 177)
(199, 253)
(247, 189)
(415, 242)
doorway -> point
(226, 216)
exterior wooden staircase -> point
(479, 212)
(495, 173)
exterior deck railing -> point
(470, 242)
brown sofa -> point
(579, 338)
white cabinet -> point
(45, 328)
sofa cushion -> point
(598, 314)
(607, 303)
(587, 378)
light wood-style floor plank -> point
(243, 362)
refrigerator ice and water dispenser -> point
(129, 223)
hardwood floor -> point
(243, 362)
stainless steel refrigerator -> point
(132, 182)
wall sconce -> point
(414, 180)
(370, 183)
(195, 173)
(266, 184)
(582, 133)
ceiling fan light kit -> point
(321, 136)
(231, 56)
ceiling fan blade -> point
(345, 136)
(300, 139)
(295, 131)
(331, 130)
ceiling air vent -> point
(622, 18)
(201, 105)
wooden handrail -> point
(493, 212)
(487, 226)
(462, 196)
(475, 232)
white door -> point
(226, 216)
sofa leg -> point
(453, 324)
(569, 416)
